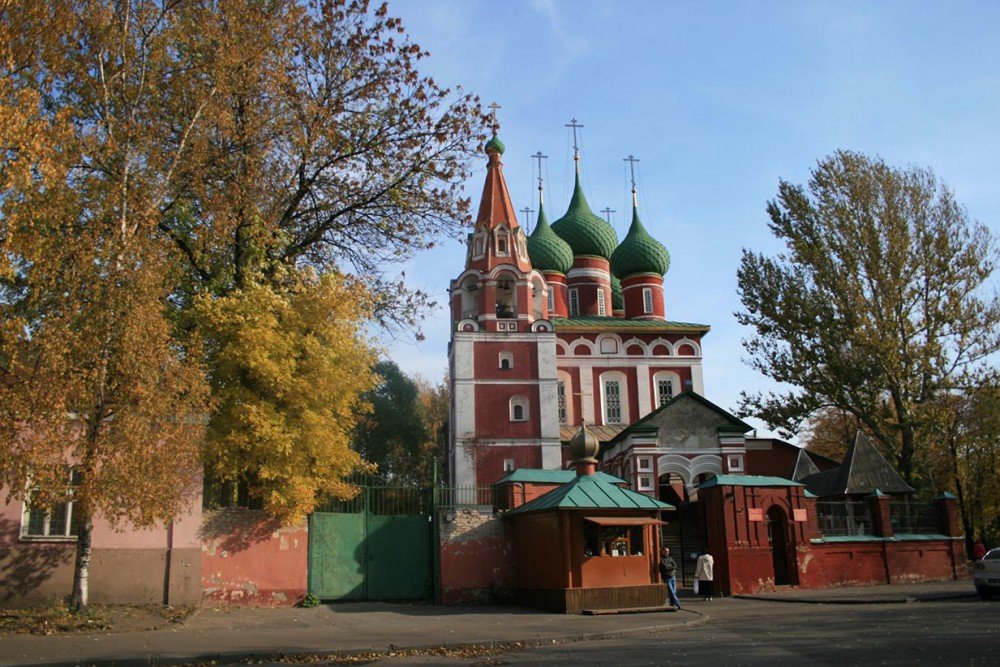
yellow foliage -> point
(289, 367)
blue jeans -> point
(672, 590)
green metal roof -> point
(585, 232)
(746, 480)
(639, 252)
(540, 476)
(546, 250)
(591, 492)
(620, 324)
(496, 145)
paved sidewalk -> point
(231, 635)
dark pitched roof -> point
(732, 424)
(804, 466)
(863, 470)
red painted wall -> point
(250, 560)
(476, 558)
(489, 461)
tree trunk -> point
(81, 573)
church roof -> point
(591, 492)
(618, 324)
(732, 424)
(540, 476)
(585, 232)
(547, 251)
(639, 252)
(747, 480)
(603, 432)
(863, 471)
(496, 213)
(804, 466)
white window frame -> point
(46, 534)
(561, 401)
(647, 300)
(601, 307)
(574, 302)
(508, 357)
(522, 403)
(551, 297)
(612, 403)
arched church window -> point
(506, 360)
(612, 401)
(518, 409)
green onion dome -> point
(494, 145)
(546, 250)
(586, 233)
(617, 295)
(639, 252)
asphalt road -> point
(750, 632)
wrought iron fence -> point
(844, 517)
(383, 501)
(914, 517)
(468, 497)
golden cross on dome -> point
(494, 123)
(576, 149)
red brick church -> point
(567, 326)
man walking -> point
(668, 572)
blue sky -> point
(718, 101)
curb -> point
(858, 601)
(229, 658)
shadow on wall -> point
(237, 529)
(27, 566)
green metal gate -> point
(375, 547)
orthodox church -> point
(563, 327)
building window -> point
(552, 300)
(508, 465)
(645, 483)
(612, 402)
(518, 409)
(574, 302)
(506, 361)
(480, 245)
(735, 463)
(612, 540)
(644, 463)
(561, 393)
(502, 244)
(664, 391)
(609, 346)
(600, 303)
(647, 300)
(56, 521)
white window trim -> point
(574, 302)
(522, 402)
(647, 300)
(601, 307)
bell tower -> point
(502, 354)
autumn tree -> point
(102, 397)
(290, 369)
(829, 432)
(194, 167)
(879, 302)
(963, 455)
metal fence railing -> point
(914, 517)
(844, 517)
(468, 497)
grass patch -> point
(57, 617)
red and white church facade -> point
(564, 327)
